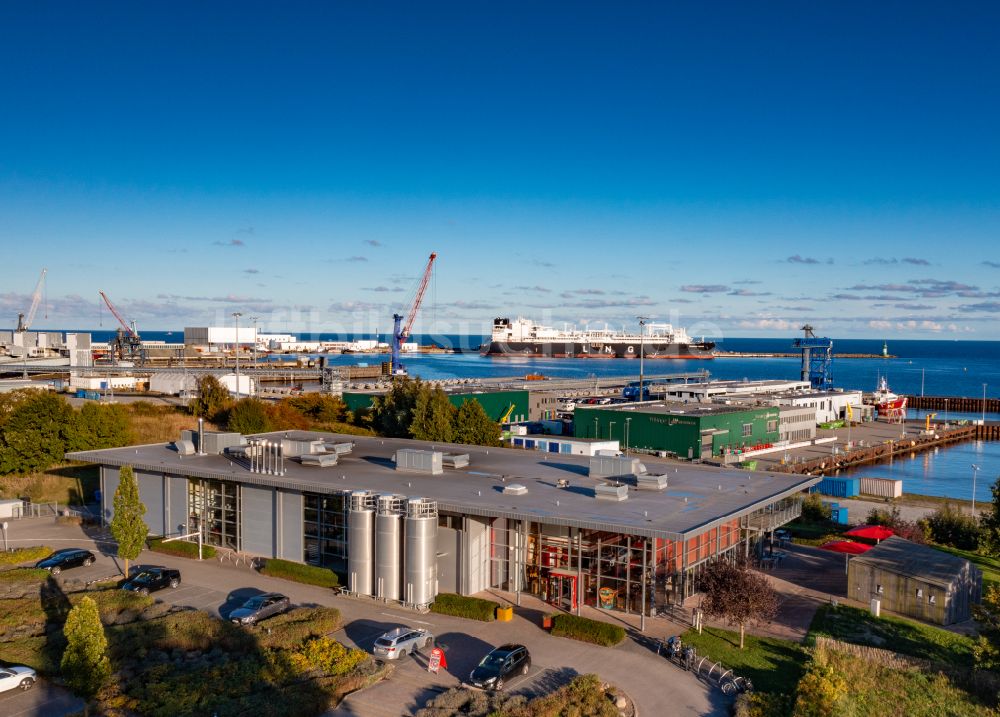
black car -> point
(150, 580)
(500, 664)
(66, 558)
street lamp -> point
(627, 421)
(254, 319)
(984, 404)
(610, 424)
(3, 526)
(642, 345)
(237, 315)
(975, 469)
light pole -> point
(627, 421)
(984, 404)
(610, 424)
(975, 469)
(237, 315)
(3, 526)
(255, 319)
(595, 428)
(946, 410)
(642, 346)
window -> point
(747, 430)
(879, 590)
(215, 507)
(325, 529)
(772, 426)
(933, 600)
(920, 592)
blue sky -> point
(738, 168)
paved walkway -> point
(656, 686)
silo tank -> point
(360, 534)
(421, 553)
(388, 540)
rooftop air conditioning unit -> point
(515, 489)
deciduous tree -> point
(249, 415)
(737, 594)
(474, 427)
(34, 431)
(989, 522)
(85, 665)
(127, 525)
(212, 397)
(392, 412)
(433, 416)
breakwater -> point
(954, 403)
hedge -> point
(587, 630)
(15, 575)
(181, 548)
(308, 574)
(33, 553)
(469, 607)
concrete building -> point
(218, 338)
(403, 520)
(829, 405)
(693, 431)
(563, 444)
(705, 391)
(796, 423)
(915, 580)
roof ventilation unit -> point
(455, 460)
(515, 489)
(184, 447)
(651, 482)
(615, 467)
(417, 461)
(611, 491)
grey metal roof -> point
(677, 409)
(902, 557)
(698, 498)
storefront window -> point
(325, 528)
(214, 508)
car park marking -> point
(418, 622)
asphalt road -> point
(656, 687)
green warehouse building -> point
(684, 430)
(499, 405)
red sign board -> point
(437, 660)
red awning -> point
(871, 532)
(846, 546)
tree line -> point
(38, 428)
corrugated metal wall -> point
(151, 489)
(177, 504)
(292, 529)
(109, 484)
(257, 521)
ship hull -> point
(608, 350)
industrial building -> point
(915, 580)
(693, 431)
(706, 391)
(501, 406)
(402, 520)
(218, 338)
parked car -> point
(11, 677)
(401, 641)
(498, 665)
(152, 579)
(66, 558)
(260, 607)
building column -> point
(579, 571)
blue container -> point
(839, 487)
(80, 393)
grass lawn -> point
(989, 566)
(773, 665)
(850, 624)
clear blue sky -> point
(737, 167)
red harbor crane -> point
(127, 343)
(401, 330)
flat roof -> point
(698, 498)
(903, 557)
(678, 409)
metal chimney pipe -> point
(201, 436)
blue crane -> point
(817, 359)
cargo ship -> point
(524, 338)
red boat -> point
(889, 405)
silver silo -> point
(388, 546)
(420, 565)
(360, 536)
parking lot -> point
(217, 588)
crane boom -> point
(131, 332)
(419, 297)
(24, 321)
(401, 330)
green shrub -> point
(181, 548)
(308, 574)
(587, 630)
(468, 607)
(294, 627)
(813, 509)
(24, 555)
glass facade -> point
(214, 508)
(325, 525)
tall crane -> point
(400, 330)
(24, 321)
(127, 342)
(817, 359)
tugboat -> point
(890, 406)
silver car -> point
(260, 607)
(402, 641)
